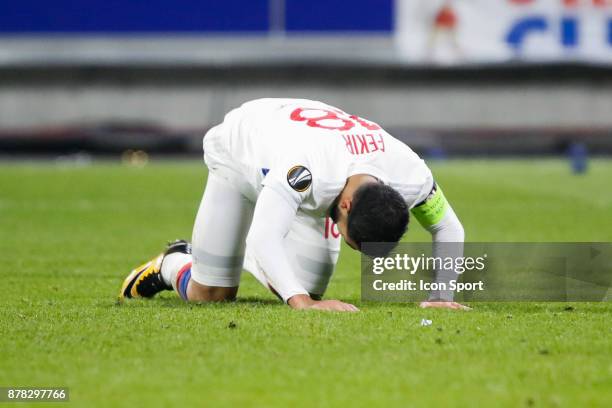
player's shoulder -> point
(400, 147)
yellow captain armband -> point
(431, 210)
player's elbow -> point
(454, 230)
(459, 231)
(449, 229)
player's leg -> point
(313, 246)
(210, 269)
(213, 272)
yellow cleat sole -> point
(137, 275)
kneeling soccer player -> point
(279, 170)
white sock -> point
(171, 265)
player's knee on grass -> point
(197, 292)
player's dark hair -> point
(378, 214)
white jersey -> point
(306, 150)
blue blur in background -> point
(337, 15)
(578, 154)
(190, 16)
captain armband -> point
(431, 210)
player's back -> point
(265, 127)
(278, 134)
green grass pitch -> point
(68, 235)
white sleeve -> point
(447, 237)
(272, 220)
(437, 216)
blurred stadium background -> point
(450, 77)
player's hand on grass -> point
(334, 306)
(304, 302)
(444, 305)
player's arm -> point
(272, 220)
(437, 216)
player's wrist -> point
(300, 301)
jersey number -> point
(330, 119)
